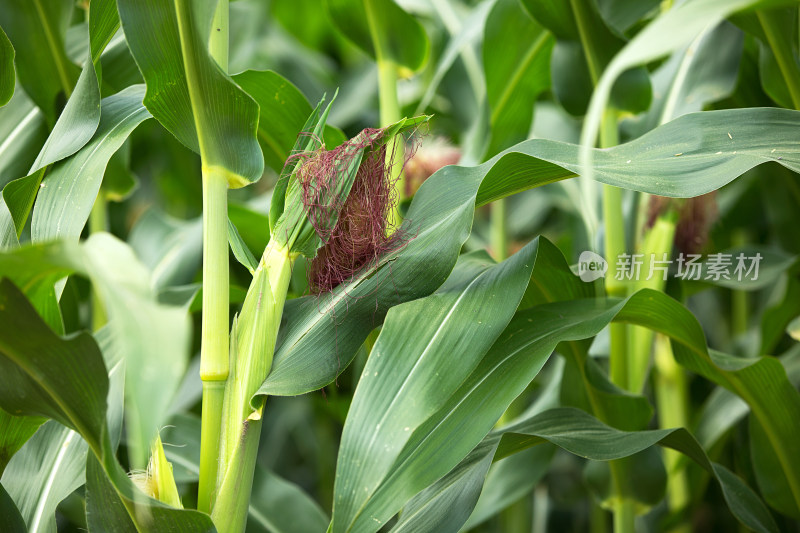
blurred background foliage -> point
(496, 72)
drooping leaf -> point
(69, 190)
(14, 432)
(105, 510)
(585, 436)
(65, 379)
(157, 334)
(7, 74)
(683, 23)
(10, 519)
(383, 30)
(45, 375)
(220, 121)
(240, 249)
(464, 316)
(517, 71)
(283, 110)
(37, 31)
(315, 345)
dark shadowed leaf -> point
(382, 29)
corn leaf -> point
(69, 190)
(220, 121)
(44, 71)
(10, 519)
(7, 74)
(284, 110)
(66, 379)
(14, 432)
(157, 334)
(313, 349)
(462, 317)
(516, 70)
(383, 30)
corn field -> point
(359, 266)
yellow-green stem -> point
(390, 113)
(739, 300)
(214, 359)
(389, 104)
(98, 221)
(656, 246)
(671, 391)
(214, 363)
(499, 242)
(623, 508)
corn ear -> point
(158, 481)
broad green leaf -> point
(10, 519)
(51, 465)
(7, 74)
(157, 334)
(467, 492)
(689, 156)
(66, 380)
(220, 121)
(103, 24)
(37, 30)
(75, 126)
(463, 316)
(682, 23)
(517, 71)
(446, 505)
(69, 190)
(48, 469)
(284, 111)
(14, 432)
(383, 30)
(312, 349)
(585, 436)
(104, 508)
(45, 375)
(447, 437)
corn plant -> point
(526, 265)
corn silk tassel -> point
(331, 207)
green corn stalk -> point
(255, 329)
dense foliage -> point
(399, 265)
